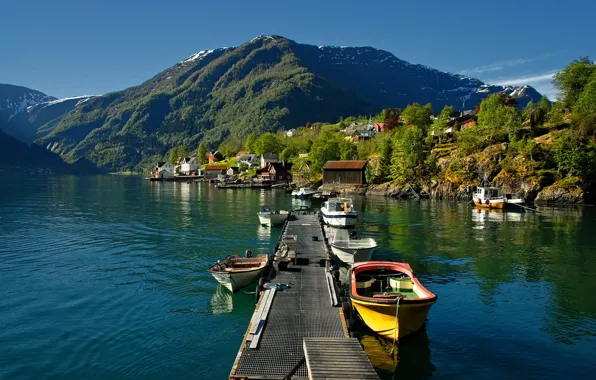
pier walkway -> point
(273, 346)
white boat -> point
(235, 272)
(353, 250)
(272, 218)
(303, 193)
(339, 212)
(493, 197)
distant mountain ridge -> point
(266, 84)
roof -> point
(216, 167)
(270, 156)
(160, 163)
(353, 164)
(247, 157)
(280, 167)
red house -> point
(275, 171)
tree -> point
(250, 144)
(268, 143)
(572, 79)
(408, 155)
(202, 152)
(325, 148)
(528, 109)
(418, 115)
(230, 147)
(545, 104)
(496, 115)
(586, 107)
(440, 124)
(243, 167)
(176, 154)
(386, 150)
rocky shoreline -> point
(566, 192)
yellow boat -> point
(388, 298)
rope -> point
(396, 325)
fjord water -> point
(105, 277)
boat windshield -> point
(265, 208)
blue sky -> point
(67, 48)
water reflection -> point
(221, 302)
(410, 359)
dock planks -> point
(337, 358)
(302, 311)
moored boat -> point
(493, 197)
(235, 272)
(339, 212)
(353, 250)
(272, 218)
(388, 298)
(303, 193)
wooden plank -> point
(261, 323)
(253, 328)
(336, 358)
(331, 288)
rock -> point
(566, 191)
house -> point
(291, 132)
(380, 127)
(249, 159)
(344, 172)
(361, 130)
(232, 171)
(215, 156)
(189, 166)
(466, 120)
(267, 158)
(302, 155)
(275, 171)
(213, 171)
(163, 170)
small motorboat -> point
(235, 272)
(493, 197)
(303, 193)
(322, 196)
(272, 218)
(353, 250)
(389, 299)
(339, 212)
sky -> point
(68, 48)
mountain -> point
(263, 85)
(14, 100)
(14, 152)
(29, 114)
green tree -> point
(408, 155)
(202, 152)
(325, 148)
(545, 104)
(586, 107)
(572, 79)
(386, 151)
(176, 154)
(528, 109)
(347, 150)
(440, 124)
(243, 167)
(496, 115)
(418, 115)
(250, 144)
(268, 143)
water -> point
(105, 277)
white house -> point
(164, 170)
(268, 158)
(291, 132)
(189, 165)
(249, 159)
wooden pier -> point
(298, 307)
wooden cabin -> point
(344, 172)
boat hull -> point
(340, 220)
(390, 315)
(270, 220)
(351, 255)
(497, 204)
(236, 281)
(380, 318)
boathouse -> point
(213, 171)
(344, 172)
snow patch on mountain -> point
(18, 105)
